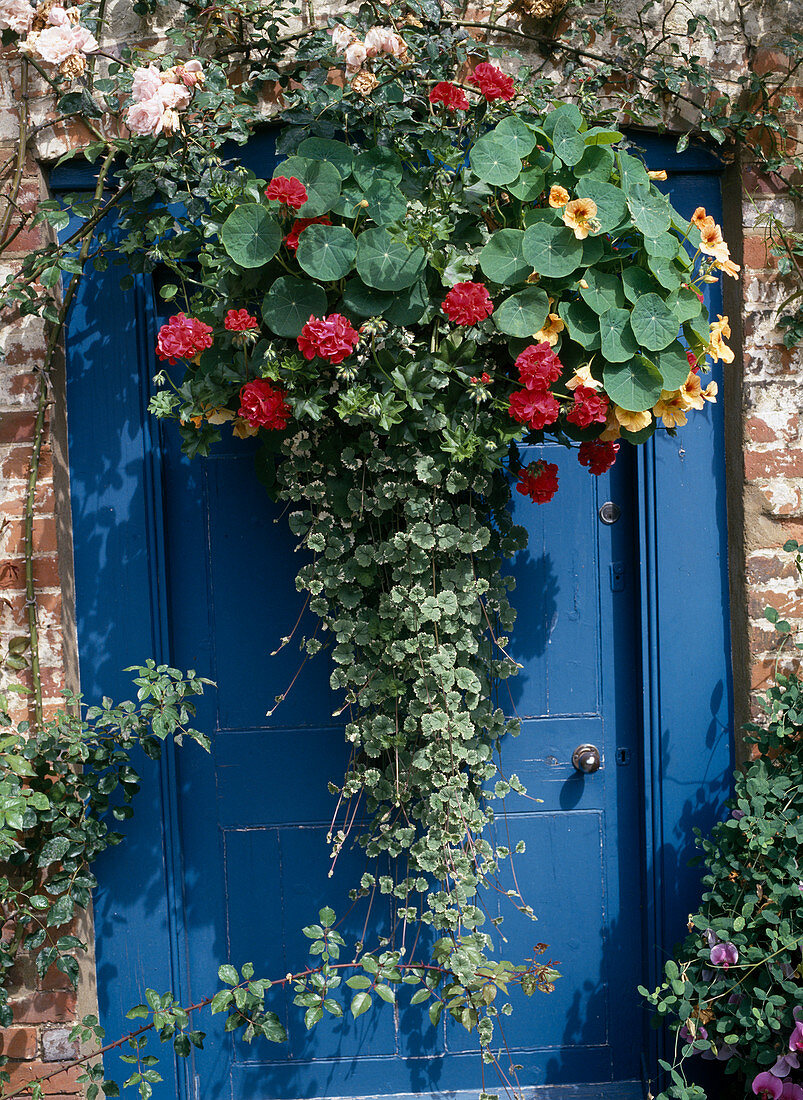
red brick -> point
(20, 1043)
(759, 432)
(15, 464)
(769, 61)
(45, 539)
(762, 569)
(16, 427)
(64, 1082)
(780, 463)
(756, 254)
(45, 573)
(761, 674)
(50, 1008)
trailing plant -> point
(734, 990)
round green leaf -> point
(603, 292)
(637, 282)
(348, 204)
(599, 135)
(377, 163)
(552, 250)
(597, 162)
(364, 301)
(522, 314)
(631, 171)
(653, 323)
(649, 210)
(516, 134)
(569, 143)
(493, 160)
(408, 306)
(685, 305)
(664, 247)
(673, 364)
(250, 235)
(290, 303)
(386, 203)
(502, 259)
(593, 248)
(387, 264)
(611, 203)
(326, 252)
(666, 272)
(618, 342)
(335, 152)
(321, 179)
(528, 186)
(582, 324)
(635, 385)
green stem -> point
(22, 150)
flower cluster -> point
(263, 405)
(673, 406)
(492, 82)
(16, 15)
(712, 244)
(290, 192)
(56, 36)
(182, 338)
(468, 304)
(452, 97)
(378, 40)
(159, 96)
(330, 338)
(534, 404)
(597, 456)
(538, 481)
(239, 320)
(771, 1084)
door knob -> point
(586, 758)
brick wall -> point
(766, 501)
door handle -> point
(586, 758)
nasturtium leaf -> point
(552, 250)
(631, 171)
(387, 264)
(502, 259)
(604, 291)
(565, 111)
(528, 186)
(655, 326)
(321, 179)
(649, 210)
(408, 306)
(664, 247)
(641, 436)
(597, 163)
(335, 152)
(673, 364)
(599, 135)
(290, 303)
(635, 385)
(611, 203)
(685, 305)
(593, 248)
(326, 252)
(364, 301)
(493, 160)
(349, 203)
(376, 163)
(546, 214)
(250, 235)
(517, 134)
(666, 272)
(569, 144)
(637, 282)
(618, 342)
(582, 324)
(386, 203)
(523, 313)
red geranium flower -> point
(468, 303)
(589, 407)
(693, 364)
(599, 457)
(538, 366)
(239, 320)
(264, 405)
(492, 82)
(182, 338)
(290, 192)
(538, 481)
(452, 97)
(299, 225)
(330, 337)
(536, 408)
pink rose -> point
(192, 74)
(16, 15)
(57, 43)
(145, 118)
(174, 96)
(57, 16)
(384, 40)
(356, 53)
(341, 37)
(83, 40)
(147, 82)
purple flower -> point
(767, 1086)
(784, 1065)
(737, 815)
(710, 937)
(726, 1051)
(724, 955)
(791, 1091)
(689, 1038)
(796, 1038)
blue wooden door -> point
(190, 561)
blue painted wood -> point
(235, 844)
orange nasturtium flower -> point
(671, 408)
(632, 421)
(548, 333)
(717, 348)
(580, 215)
(558, 196)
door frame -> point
(661, 539)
